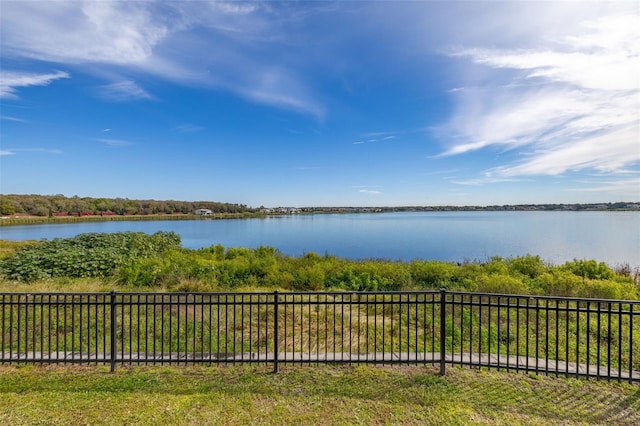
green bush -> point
(85, 256)
(601, 289)
(589, 269)
(497, 265)
(529, 266)
(558, 283)
(433, 274)
(500, 283)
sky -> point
(319, 103)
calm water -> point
(612, 237)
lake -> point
(556, 236)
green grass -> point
(323, 395)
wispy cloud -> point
(14, 119)
(369, 192)
(367, 189)
(609, 152)
(14, 151)
(275, 92)
(628, 187)
(10, 81)
(244, 44)
(84, 31)
(123, 91)
(375, 137)
(574, 105)
(114, 142)
(482, 181)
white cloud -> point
(628, 188)
(369, 192)
(14, 119)
(609, 152)
(82, 31)
(277, 95)
(12, 151)
(237, 47)
(570, 105)
(123, 91)
(375, 137)
(10, 81)
(482, 181)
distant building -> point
(281, 210)
(203, 212)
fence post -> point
(443, 330)
(275, 331)
(114, 340)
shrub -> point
(500, 283)
(529, 266)
(310, 278)
(433, 274)
(589, 269)
(600, 289)
(85, 256)
(558, 283)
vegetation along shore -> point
(158, 261)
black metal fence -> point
(550, 335)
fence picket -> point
(550, 335)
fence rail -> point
(550, 335)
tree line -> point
(60, 205)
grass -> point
(323, 395)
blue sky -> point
(322, 103)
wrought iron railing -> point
(550, 335)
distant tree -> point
(7, 207)
(42, 205)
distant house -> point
(203, 212)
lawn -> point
(329, 395)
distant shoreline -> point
(22, 219)
(16, 220)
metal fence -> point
(550, 335)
